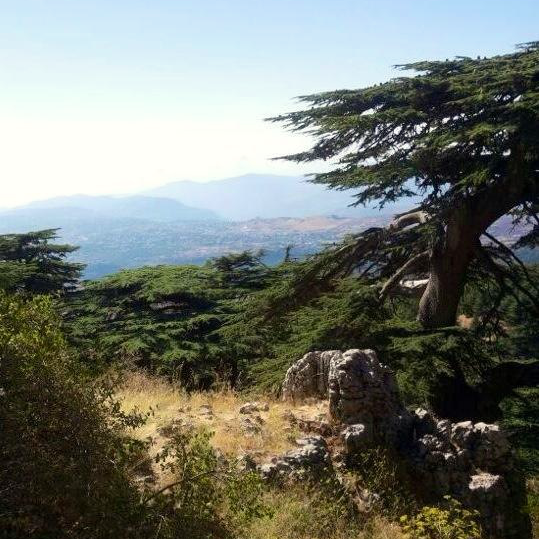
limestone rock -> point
(250, 427)
(308, 377)
(205, 410)
(253, 407)
(471, 462)
(356, 438)
(311, 457)
(245, 464)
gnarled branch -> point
(411, 265)
(416, 217)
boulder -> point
(308, 377)
(310, 458)
(250, 426)
(471, 462)
(253, 407)
(356, 438)
(362, 390)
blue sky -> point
(116, 96)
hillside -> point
(108, 244)
(266, 196)
(128, 207)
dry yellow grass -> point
(169, 403)
(299, 513)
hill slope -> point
(261, 195)
(140, 207)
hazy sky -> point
(114, 96)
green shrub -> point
(210, 497)
(449, 522)
(66, 463)
(62, 461)
(382, 471)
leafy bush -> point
(62, 461)
(209, 496)
(449, 522)
(305, 512)
(381, 471)
(66, 462)
(31, 263)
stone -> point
(462, 434)
(471, 462)
(492, 451)
(245, 464)
(253, 407)
(308, 377)
(314, 426)
(287, 415)
(362, 390)
(205, 409)
(250, 427)
(310, 458)
(356, 438)
(424, 422)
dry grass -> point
(169, 403)
(533, 501)
(298, 513)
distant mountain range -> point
(242, 198)
(130, 207)
(189, 222)
(265, 196)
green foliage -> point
(347, 316)
(163, 318)
(310, 510)
(62, 462)
(521, 420)
(211, 498)
(461, 136)
(533, 504)
(381, 471)
(449, 522)
(66, 463)
(30, 263)
(450, 129)
(243, 269)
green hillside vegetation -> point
(202, 325)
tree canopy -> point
(30, 262)
(462, 134)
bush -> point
(61, 459)
(210, 497)
(449, 522)
(382, 471)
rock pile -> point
(311, 457)
(471, 462)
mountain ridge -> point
(158, 209)
(265, 196)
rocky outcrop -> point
(308, 377)
(471, 462)
(310, 458)
(253, 407)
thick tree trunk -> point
(455, 249)
(449, 261)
